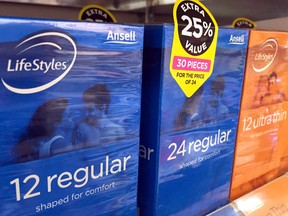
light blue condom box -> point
(70, 117)
(187, 144)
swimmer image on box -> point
(96, 129)
(204, 107)
(46, 132)
(189, 111)
(261, 90)
(274, 94)
(268, 91)
(214, 110)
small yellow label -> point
(96, 13)
(194, 45)
(243, 23)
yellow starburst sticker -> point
(194, 45)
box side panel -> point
(150, 120)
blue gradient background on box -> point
(119, 67)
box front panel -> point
(263, 118)
(70, 113)
(198, 133)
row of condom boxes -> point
(93, 122)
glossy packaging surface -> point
(270, 199)
(69, 118)
(228, 210)
(261, 148)
(187, 144)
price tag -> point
(194, 45)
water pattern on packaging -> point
(70, 117)
(187, 144)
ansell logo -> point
(44, 65)
(121, 37)
(265, 55)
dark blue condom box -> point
(187, 144)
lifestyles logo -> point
(40, 55)
(265, 55)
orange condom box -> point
(261, 154)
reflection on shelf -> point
(268, 200)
